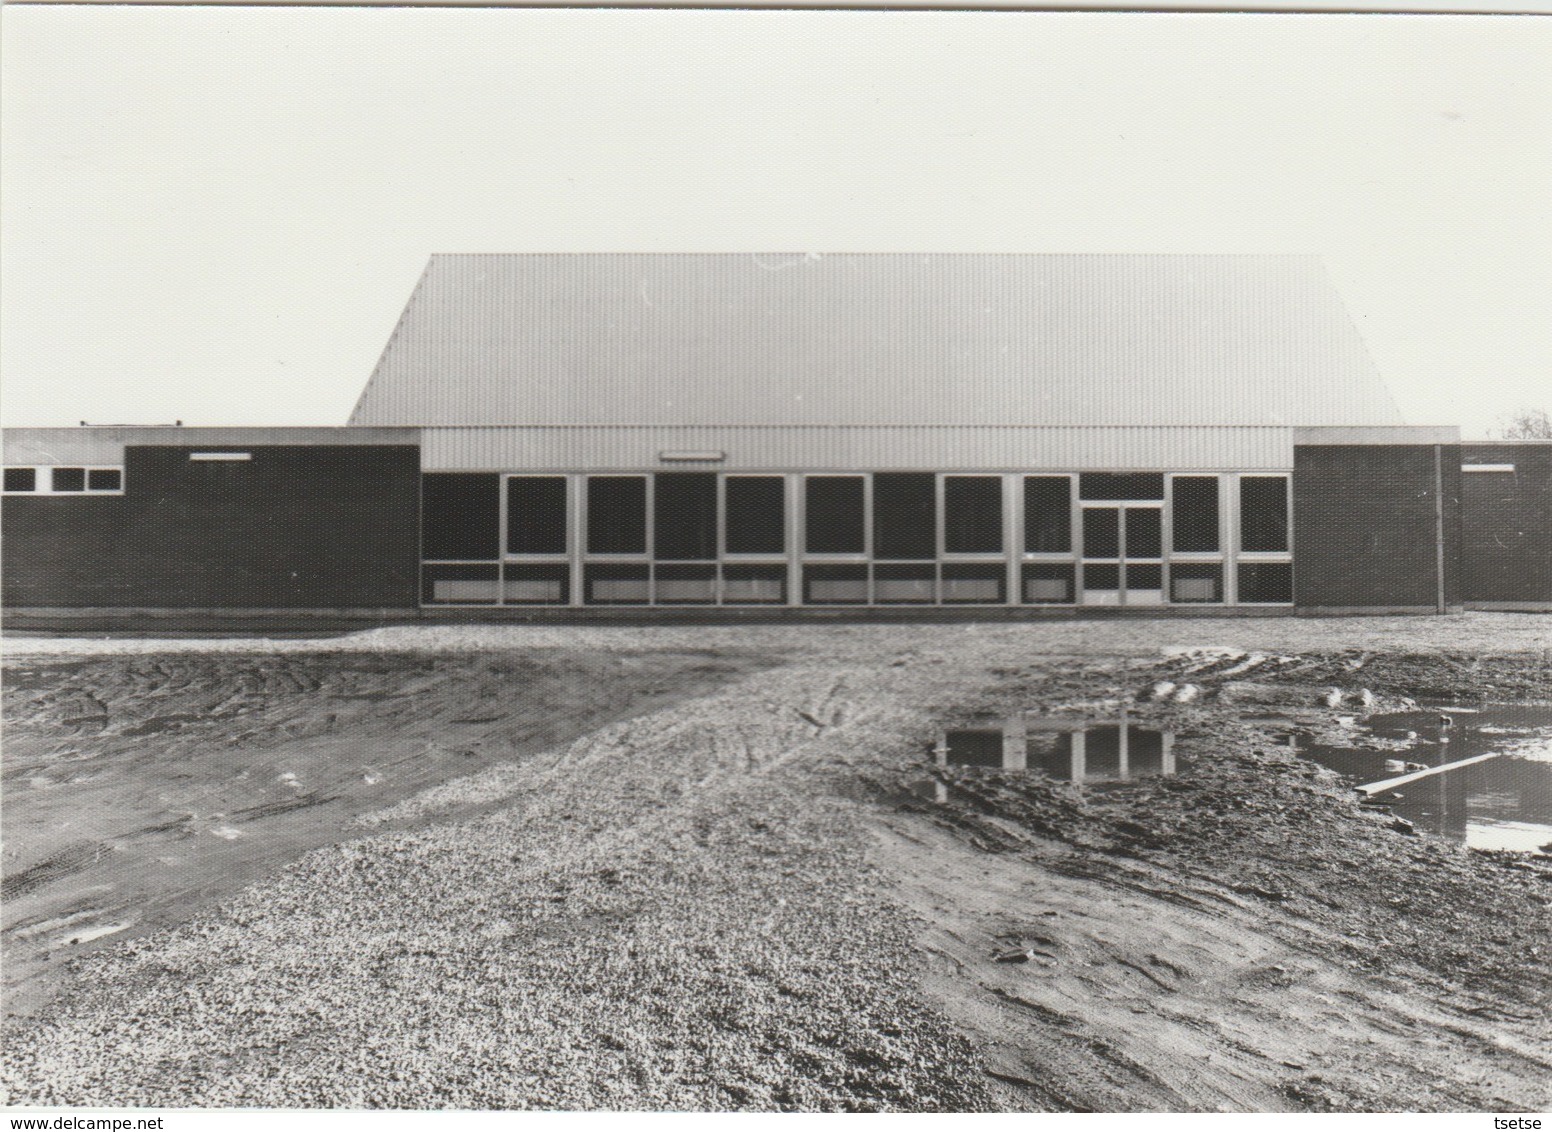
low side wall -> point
(1365, 526)
(293, 527)
(1506, 526)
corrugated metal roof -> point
(868, 339)
(860, 448)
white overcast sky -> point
(217, 214)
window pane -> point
(684, 516)
(1196, 582)
(21, 479)
(754, 585)
(1047, 515)
(905, 515)
(69, 479)
(835, 585)
(1263, 513)
(616, 583)
(105, 479)
(756, 520)
(1195, 513)
(461, 585)
(460, 515)
(1048, 583)
(833, 514)
(537, 585)
(1101, 532)
(1146, 576)
(974, 584)
(1144, 532)
(1102, 577)
(1121, 485)
(687, 584)
(536, 515)
(972, 514)
(617, 515)
(1266, 582)
(895, 585)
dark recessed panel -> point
(1195, 513)
(684, 516)
(536, 515)
(1121, 485)
(617, 515)
(1047, 515)
(833, 515)
(1263, 513)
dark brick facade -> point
(1365, 526)
(1506, 525)
(295, 527)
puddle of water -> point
(1073, 750)
(1502, 803)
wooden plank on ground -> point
(1387, 784)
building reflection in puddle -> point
(1074, 750)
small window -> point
(471, 584)
(687, 585)
(69, 479)
(756, 519)
(610, 583)
(1144, 532)
(905, 584)
(617, 515)
(1196, 582)
(536, 515)
(835, 585)
(1048, 583)
(104, 479)
(833, 515)
(536, 584)
(1047, 515)
(972, 514)
(1194, 514)
(754, 584)
(967, 583)
(1263, 513)
(21, 479)
(1120, 485)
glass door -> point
(1123, 554)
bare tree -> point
(1528, 424)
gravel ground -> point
(732, 900)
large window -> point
(617, 515)
(536, 515)
(972, 514)
(1194, 514)
(1263, 513)
(1047, 515)
(756, 514)
(834, 515)
(684, 516)
(905, 515)
(1104, 486)
(460, 515)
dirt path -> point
(733, 900)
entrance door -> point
(1123, 554)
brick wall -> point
(1364, 528)
(1506, 525)
(295, 527)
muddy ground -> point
(694, 869)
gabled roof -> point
(869, 339)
